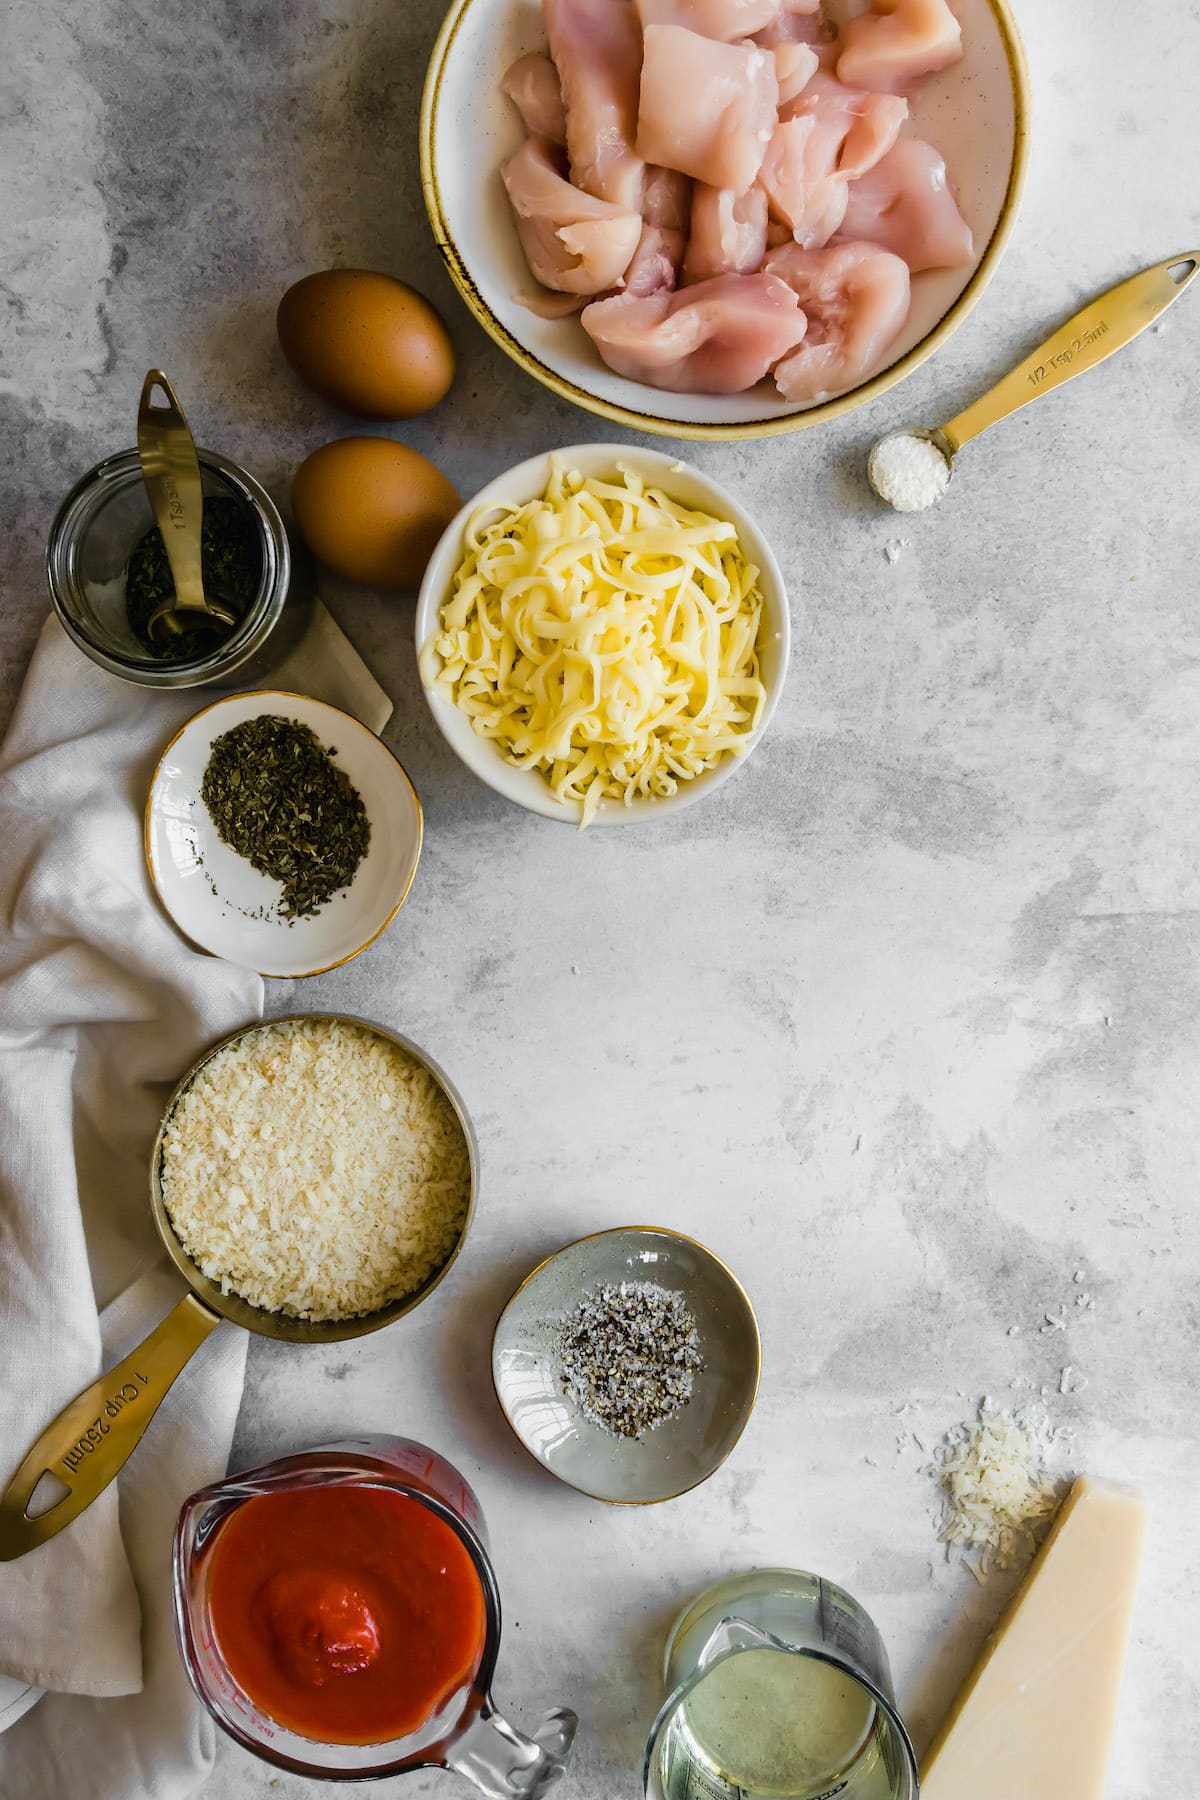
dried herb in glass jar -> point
(231, 564)
(277, 797)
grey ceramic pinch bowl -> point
(686, 1449)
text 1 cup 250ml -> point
(93, 1437)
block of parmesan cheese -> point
(1035, 1719)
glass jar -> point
(96, 527)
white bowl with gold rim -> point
(679, 481)
(219, 901)
(977, 113)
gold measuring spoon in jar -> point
(171, 471)
(911, 470)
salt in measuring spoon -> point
(904, 481)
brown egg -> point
(366, 342)
(373, 510)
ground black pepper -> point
(630, 1351)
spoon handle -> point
(96, 1433)
(172, 475)
(1083, 343)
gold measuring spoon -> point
(905, 473)
(171, 471)
(94, 1435)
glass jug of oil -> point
(778, 1685)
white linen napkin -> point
(102, 1005)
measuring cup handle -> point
(1084, 342)
(94, 1436)
(505, 1764)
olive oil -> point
(766, 1724)
(778, 1688)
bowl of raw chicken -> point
(723, 218)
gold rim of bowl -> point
(281, 694)
(589, 1237)
(751, 428)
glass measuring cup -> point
(778, 1685)
(467, 1733)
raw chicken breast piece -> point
(666, 209)
(533, 86)
(728, 235)
(572, 241)
(597, 50)
(856, 298)
(656, 262)
(827, 137)
(725, 20)
(544, 303)
(856, 127)
(804, 193)
(904, 204)
(667, 200)
(706, 109)
(719, 337)
(795, 66)
(898, 41)
(799, 22)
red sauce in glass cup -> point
(349, 1615)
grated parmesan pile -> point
(997, 1498)
(316, 1169)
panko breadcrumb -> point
(315, 1168)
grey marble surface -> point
(905, 1022)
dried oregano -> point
(231, 562)
(277, 797)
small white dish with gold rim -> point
(222, 903)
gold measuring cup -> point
(95, 1434)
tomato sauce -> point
(349, 1615)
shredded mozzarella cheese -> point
(604, 635)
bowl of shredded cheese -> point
(603, 634)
